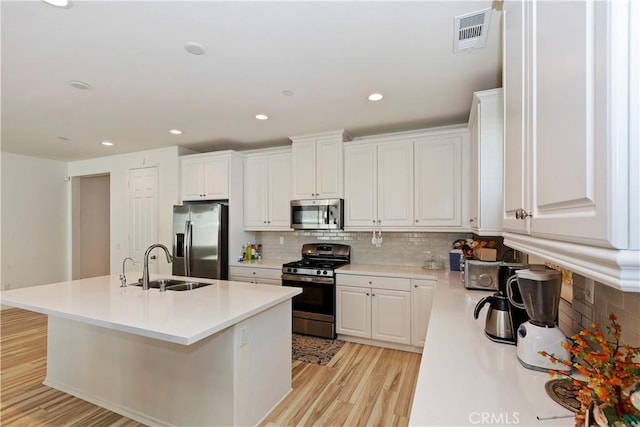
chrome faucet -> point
(145, 269)
(123, 278)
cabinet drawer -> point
(374, 282)
(255, 272)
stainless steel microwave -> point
(317, 214)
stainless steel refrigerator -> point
(200, 240)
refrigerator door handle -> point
(187, 248)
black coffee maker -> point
(518, 315)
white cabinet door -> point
(216, 178)
(421, 301)
(395, 184)
(304, 170)
(205, 178)
(256, 192)
(329, 173)
(279, 190)
(486, 145)
(474, 170)
(438, 186)
(515, 185)
(360, 185)
(192, 176)
(353, 311)
(569, 158)
(391, 316)
(267, 191)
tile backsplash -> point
(397, 248)
(579, 314)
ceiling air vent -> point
(470, 30)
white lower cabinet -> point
(371, 311)
(257, 275)
(421, 301)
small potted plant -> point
(611, 392)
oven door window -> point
(315, 297)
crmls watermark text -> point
(494, 418)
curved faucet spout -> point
(123, 277)
(145, 269)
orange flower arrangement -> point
(609, 367)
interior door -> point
(143, 214)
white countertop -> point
(178, 317)
(466, 379)
(275, 264)
(409, 272)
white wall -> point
(166, 159)
(34, 221)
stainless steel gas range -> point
(314, 310)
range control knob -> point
(295, 270)
(324, 272)
(318, 272)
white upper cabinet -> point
(379, 185)
(361, 185)
(486, 141)
(317, 166)
(570, 175)
(395, 184)
(516, 169)
(205, 177)
(438, 186)
(407, 181)
(267, 191)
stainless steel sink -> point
(174, 284)
(187, 286)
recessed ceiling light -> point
(375, 97)
(58, 3)
(107, 143)
(287, 92)
(78, 84)
(194, 48)
(262, 116)
(176, 131)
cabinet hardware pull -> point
(417, 220)
(370, 283)
(522, 214)
(471, 220)
(367, 294)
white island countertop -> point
(467, 379)
(179, 317)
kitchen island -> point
(217, 355)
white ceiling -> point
(332, 55)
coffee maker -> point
(502, 318)
(517, 315)
(540, 290)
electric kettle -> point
(498, 325)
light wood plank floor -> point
(362, 385)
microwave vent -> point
(470, 30)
